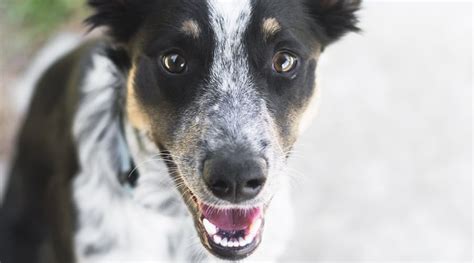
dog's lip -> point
(237, 234)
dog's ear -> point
(121, 17)
(334, 18)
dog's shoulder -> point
(37, 215)
(45, 143)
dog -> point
(167, 139)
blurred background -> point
(384, 173)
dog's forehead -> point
(210, 21)
(229, 20)
(229, 11)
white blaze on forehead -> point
(238, 112)
(230, 11)
(229, 20)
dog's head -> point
(221, 86)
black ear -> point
(122, 17)
(333, 18)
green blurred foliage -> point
(37, 17)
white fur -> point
(109, 219)
(229, 19)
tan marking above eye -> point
(191, 28)
(270, 27)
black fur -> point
(334, 17)
(331, 18)
(121, 17)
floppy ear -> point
(122, 17)
(334, 18)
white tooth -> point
(255, 227)
(217, 239)
(235, 243)
(224, 242)
(210, 228)
(242, 242)
(248, 239)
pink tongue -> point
(230, 219)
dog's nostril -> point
(255, 183)
(220, 186)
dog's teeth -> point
(254, 227)
(210, 228)
(248, 239)
(224, 242)
(217, 239)
(242, 242)
(235, 243)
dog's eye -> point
(174, 63)
(284, 62)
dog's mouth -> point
(228, 233)
(232, 233)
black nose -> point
(235, 178)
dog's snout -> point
(235, 178)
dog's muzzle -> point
(236, 177)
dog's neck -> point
(117, 221)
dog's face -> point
(221, 86)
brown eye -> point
(284, 62)
(174, 63)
